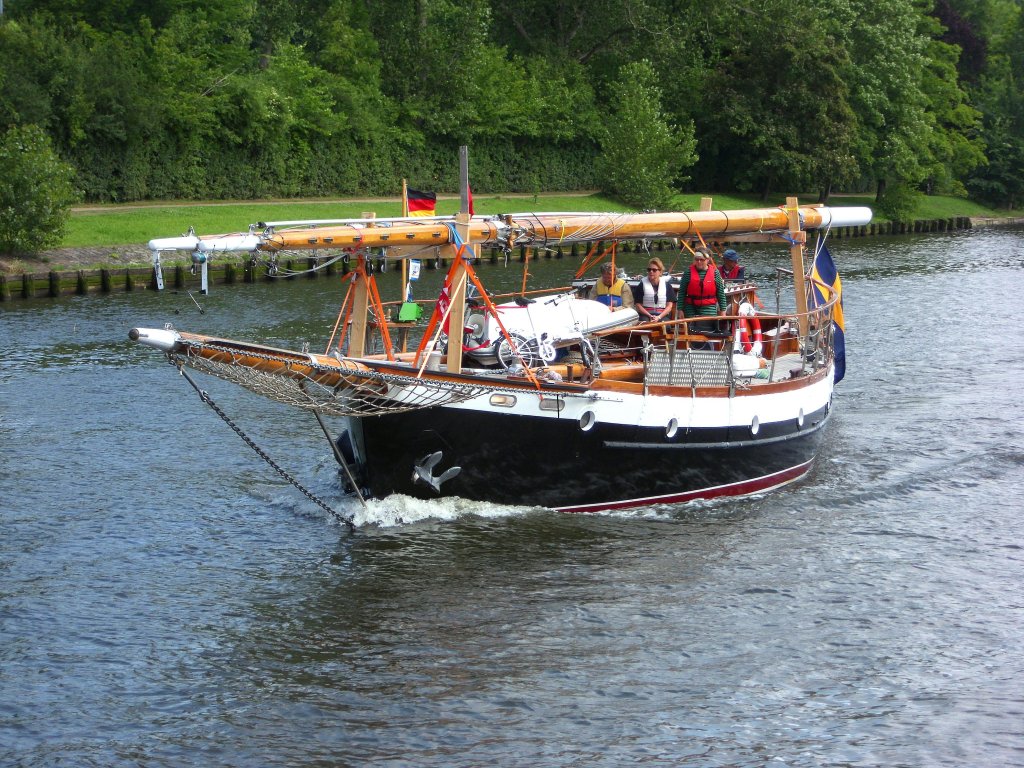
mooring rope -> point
(205, 397)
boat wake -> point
(398, 510)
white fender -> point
(851, 216)
(183, 243)
(158, 338)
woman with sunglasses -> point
(654, 297)
(703, 292)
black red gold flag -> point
(422, 203)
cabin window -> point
(503, 401)
(555, 404)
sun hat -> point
(731, 255)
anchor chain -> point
(205, 397)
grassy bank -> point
(137, 224)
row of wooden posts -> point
(228, 272)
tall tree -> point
(955, 146)
(999, 94)
(888, 57)
(778, 113)
(643, 155)
(36, 193)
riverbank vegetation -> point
(174, 100)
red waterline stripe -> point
(742, 488)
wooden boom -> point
(521, 228)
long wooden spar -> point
(552, 228)
(530, 228)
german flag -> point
(421, 203)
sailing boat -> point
(576, 410)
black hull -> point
(549, 462)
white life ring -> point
(748, 330)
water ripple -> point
(166, 601)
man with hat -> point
(731, 269)
(611, 290)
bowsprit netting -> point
(343, 388)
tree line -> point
(159, 99)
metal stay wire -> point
(205, 397)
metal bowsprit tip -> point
(423, 472)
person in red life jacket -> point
(611, 290)
(703, 292)
(731, 269)
(654, 297)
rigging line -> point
(337, 454)
(205, 397)
(350, 277)
(459, 284)
(378, 309)
(317, 268)
(470, 274)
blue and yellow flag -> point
(824, 271)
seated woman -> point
(654, 297)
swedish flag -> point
(824, 271)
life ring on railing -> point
(748, 330)
(475, 333)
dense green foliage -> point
(641, 153)
(35, 193)
(173, 99)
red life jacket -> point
(730, 274)
(701, 293)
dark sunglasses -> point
(653, 269)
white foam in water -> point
(694, 508)
(398, 510)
